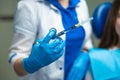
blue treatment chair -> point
(100, 14)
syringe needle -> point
(83, 22)
(73, 27)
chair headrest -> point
(100, 15)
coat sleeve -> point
(25, 30)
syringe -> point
(73, 27)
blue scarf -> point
(74, 39)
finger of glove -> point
(60, 47)
(55, 43)
(58, 55)
(39, 40)
(50, 35)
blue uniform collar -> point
(73, 3)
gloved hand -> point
(79, 67)
(44, 52)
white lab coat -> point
(33, 19)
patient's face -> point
(117, 25)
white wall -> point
(7, 7)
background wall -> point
(7, 8)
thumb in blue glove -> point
(44, 52)
(79, 68)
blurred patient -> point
(105, 60)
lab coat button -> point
(60, 68)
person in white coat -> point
(34, 54)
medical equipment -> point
(73, 27)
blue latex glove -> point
(79, 68)
(44, 52)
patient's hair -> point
(109, 37)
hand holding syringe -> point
(73, 27)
